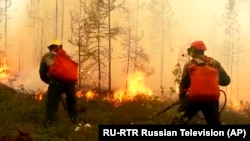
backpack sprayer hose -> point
(225, 99)
(177, 102)
(223, 106)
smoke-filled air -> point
(67, 66)
(140, 45)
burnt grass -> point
(23, 111)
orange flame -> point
(90, 95)
(79, 93)
(135, 87)
(4, 71)
(41, 93)
(238, 105)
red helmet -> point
(198, 45)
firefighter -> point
(188, 108)
(56, 87)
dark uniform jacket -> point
(46, 61)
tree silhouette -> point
(231, 48)
(89, 31)
(81, 35)
(35, 22)
(164, 13)
(134, 55)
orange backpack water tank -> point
(63, 68)
(203, 83)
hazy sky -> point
(195, 20)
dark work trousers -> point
(189, 109)
(55, 90)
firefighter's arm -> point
(224, 78)
(184, 83)
(43, 72)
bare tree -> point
(136, 29)
(163, 9)
(56, 20)
(94, 25)
(135, 57)
(105, 8)
(33, 14)
(109, 46)
(231, 48)
(59, 19)
(62, 26)
(7, 5)
(77, 35)
(85, 34)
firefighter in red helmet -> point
(190, 106)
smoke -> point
(29, 80)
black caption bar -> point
(163, 132)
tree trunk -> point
(62, 27)
(56, 19)
(98, 45)
(162, 47)
(136, 31)
(79, 49)
(6, 29)
(109, 46)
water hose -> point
(178, 102)
(223, 106)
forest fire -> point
(4, 71)
(135, 87)
(237, 105)
(90, 95)
(39, 95)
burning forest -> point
(127, 59)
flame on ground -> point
(135, 87)
(79, 94)
(237, 105)
(4, 71)
(89, 95)
(41, 93)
